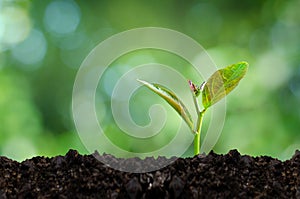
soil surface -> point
(203, 176)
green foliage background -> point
(43, 43)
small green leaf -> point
(172, 99)
(222, 82)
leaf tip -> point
(244, 64)
(141, 81)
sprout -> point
(221, 83)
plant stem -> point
(197, 130)
(198, 133)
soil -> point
(203, 176)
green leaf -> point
(222, 82)
(172, 99)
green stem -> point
(198, 133)
(197, 130)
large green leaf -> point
(172, 99)
(222, 82)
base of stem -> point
(197, 143)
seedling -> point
(222, 82)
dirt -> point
(203, 176)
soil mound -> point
(203, 176)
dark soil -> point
(204, 176)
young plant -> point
(221, 83)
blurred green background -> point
(43, 43)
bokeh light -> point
(62, 17)
(30, 51)
(19, 148)
(15, 26)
